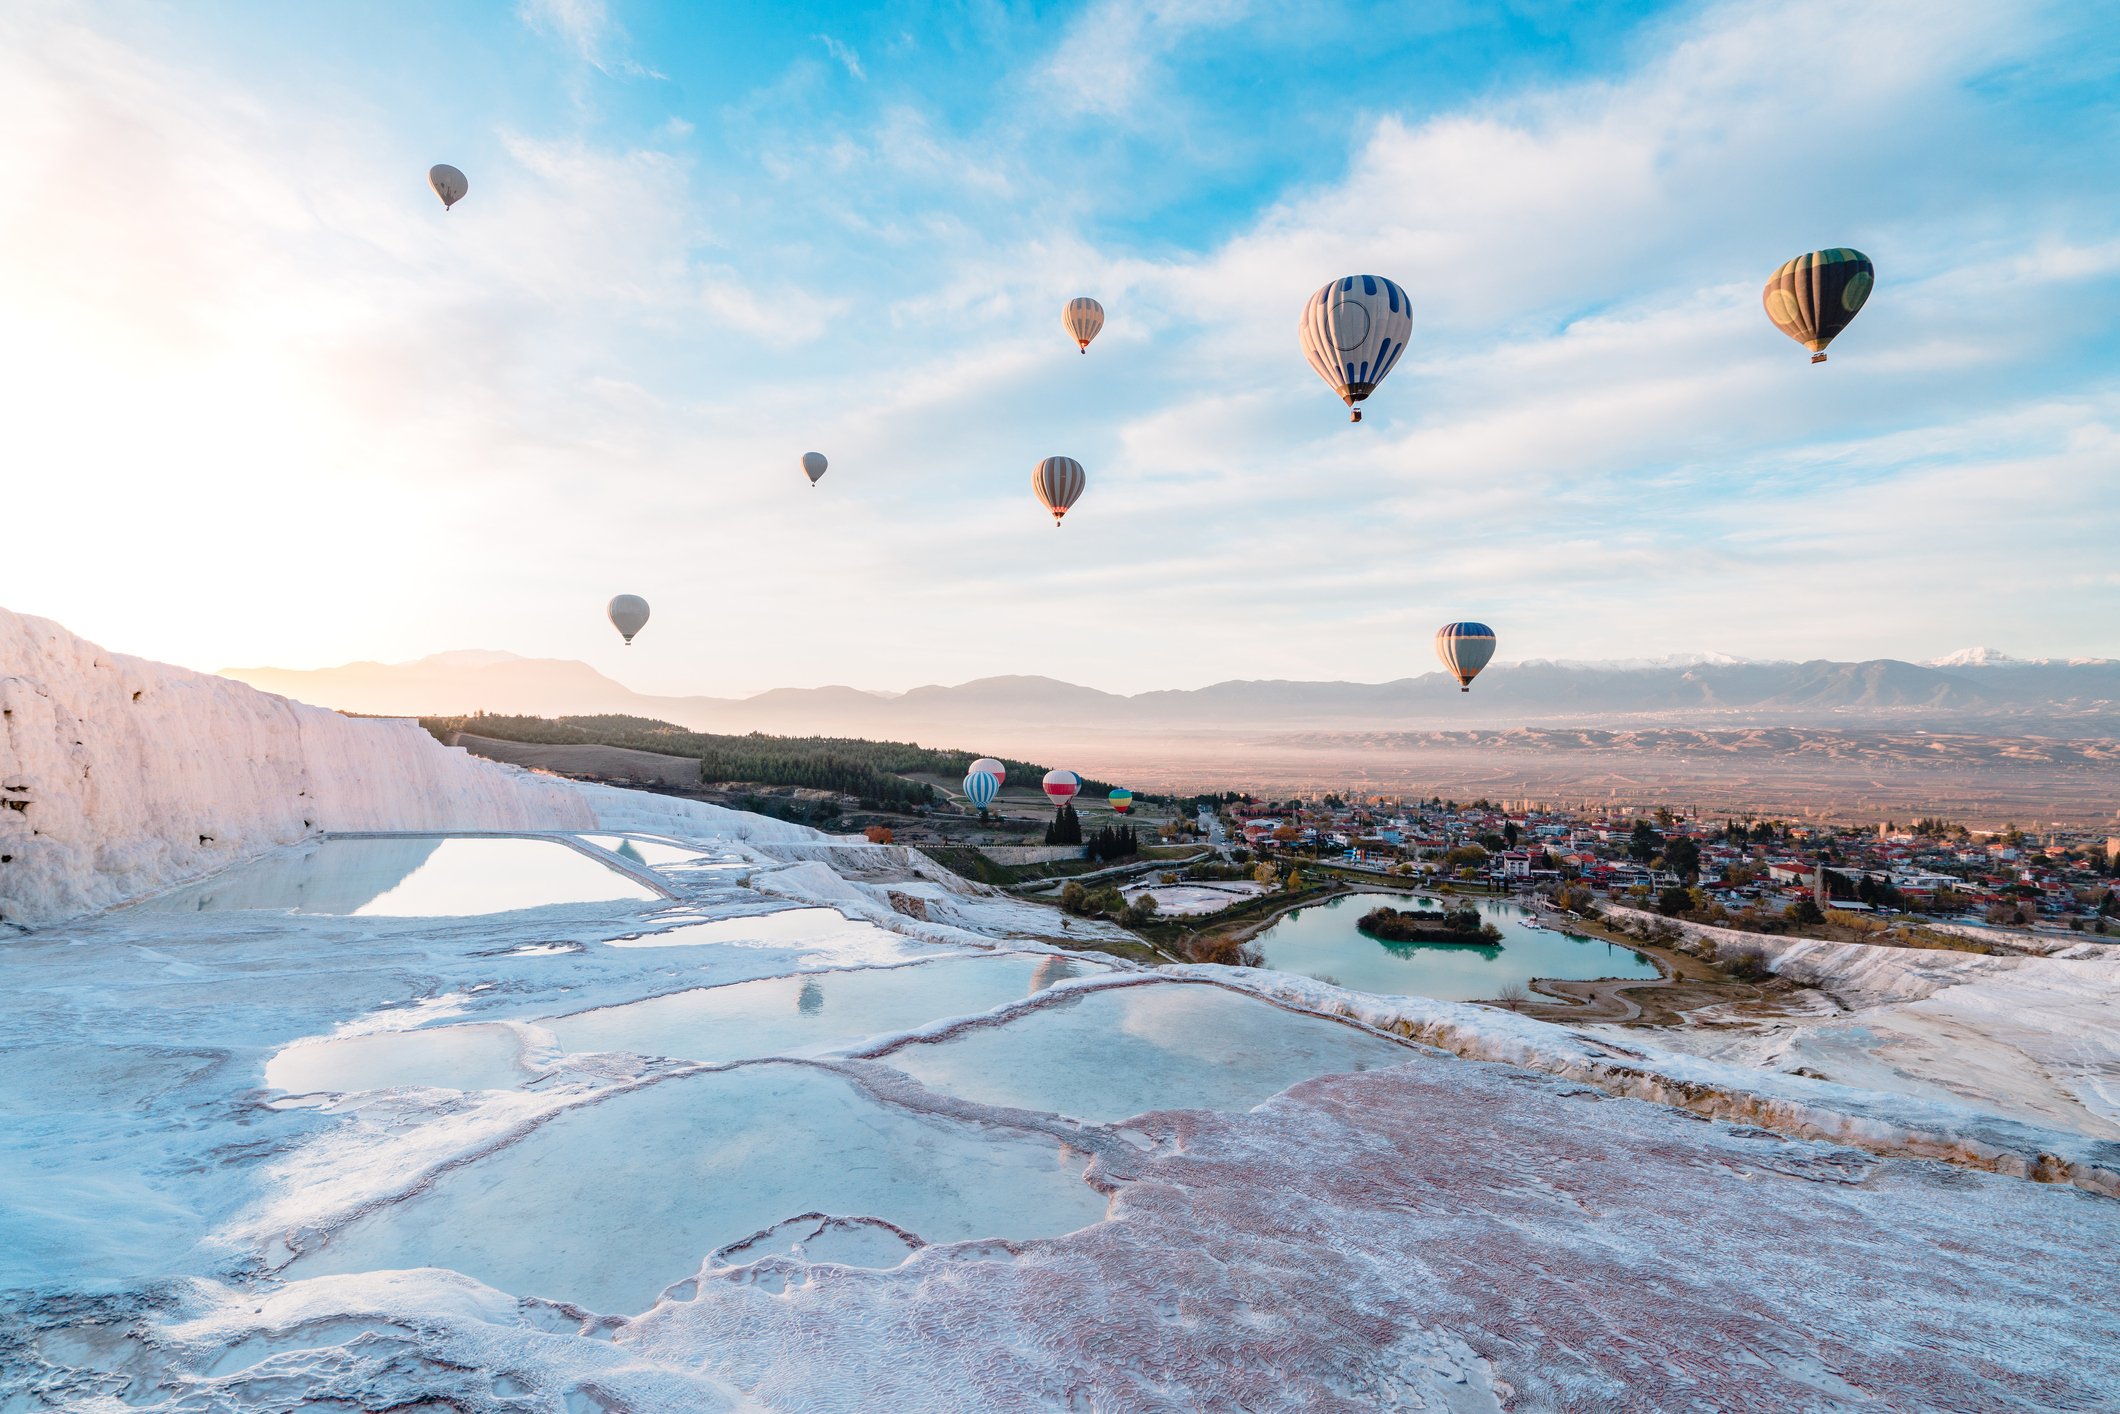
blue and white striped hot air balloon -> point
(1465, 648)
(980, 788)
(1353, 331)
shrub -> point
(1747, 964)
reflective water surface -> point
(1125, 1051)
(410, 876)
(1323, 941)
(813, 1012)
(608, 1204)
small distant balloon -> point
(629, 614)
(1353, 331)
(1059, 482)
(1061, 786)
(992, 767)
(980, 788)
(1121, 800)
(813, 465)
(1465, 648)
(448, 183)
(1813, 297)
(1082, 318)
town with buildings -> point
(1740, 872)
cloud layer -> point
(275, 406)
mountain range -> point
(1977, 685)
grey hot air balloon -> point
(1059, 482)
(1353, 331)
(1465, 647)
(448, 183)
(1083, 317)
(813, 465)
(629, 614)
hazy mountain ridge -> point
(463, 682)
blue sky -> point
(273, 406)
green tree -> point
(1673, 902)
(1682, 857)
(1645, 843)
(1804, 913)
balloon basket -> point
(1354, 414)
(1818, 358)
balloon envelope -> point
(1121, 800)
(813, 465)
(1353, 331)
(1813, 297)
(1060, 786)
(1059, 482)
(448, 183)
(980, 788)
(1465, 648)
(629, 614)
(992, 767)
(1082, 318)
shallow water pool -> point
(785, 928)
(478, 1056)
(813, 1012)
(1322, 941)
(1120, 1051)
(408, 876)
(610, 1203)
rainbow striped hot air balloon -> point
(992, 767)
(1061, 786)
(1121, 800)
(1465, 648)
(1813, 297)
(980, 788)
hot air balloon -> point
(1082, 318)
(1813, 297)
(992, 767)
(980, 788)
(629, 614)
(1353, 331)
(1061, 786)
(448, 183)
(813, 465)
(1464, 649)
(1121, 800)
(1059, 482)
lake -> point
(1322, 941)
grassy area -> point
(887, 773)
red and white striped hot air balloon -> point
(1061, 786)
(992, 767)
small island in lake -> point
(1401, 925)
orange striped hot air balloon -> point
(1058, 482)
(1082, 318)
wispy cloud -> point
(845, 54)
(586, 27)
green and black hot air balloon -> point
(1815, 296)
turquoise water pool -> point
(1322, 941)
